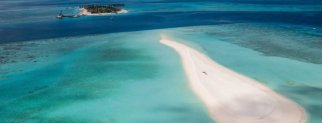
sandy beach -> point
(231, 97)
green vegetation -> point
(113, 8)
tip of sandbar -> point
(231, 97)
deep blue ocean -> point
(112, 69)
(35, 17)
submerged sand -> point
(231, 97)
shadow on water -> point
(184, 114)
(92, 76)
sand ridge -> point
(231, 97)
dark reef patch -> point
(272, 40)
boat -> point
(60, 16)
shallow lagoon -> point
(103, 78)
(297, 77)
(124, 77)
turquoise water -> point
(112, 68)
(123, 77)
(131, 77)
(298, 77)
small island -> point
(85, 10)
(102, 9)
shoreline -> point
(231, 97)
(85, 12)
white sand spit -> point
(231, 97)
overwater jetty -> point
(62, 16)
